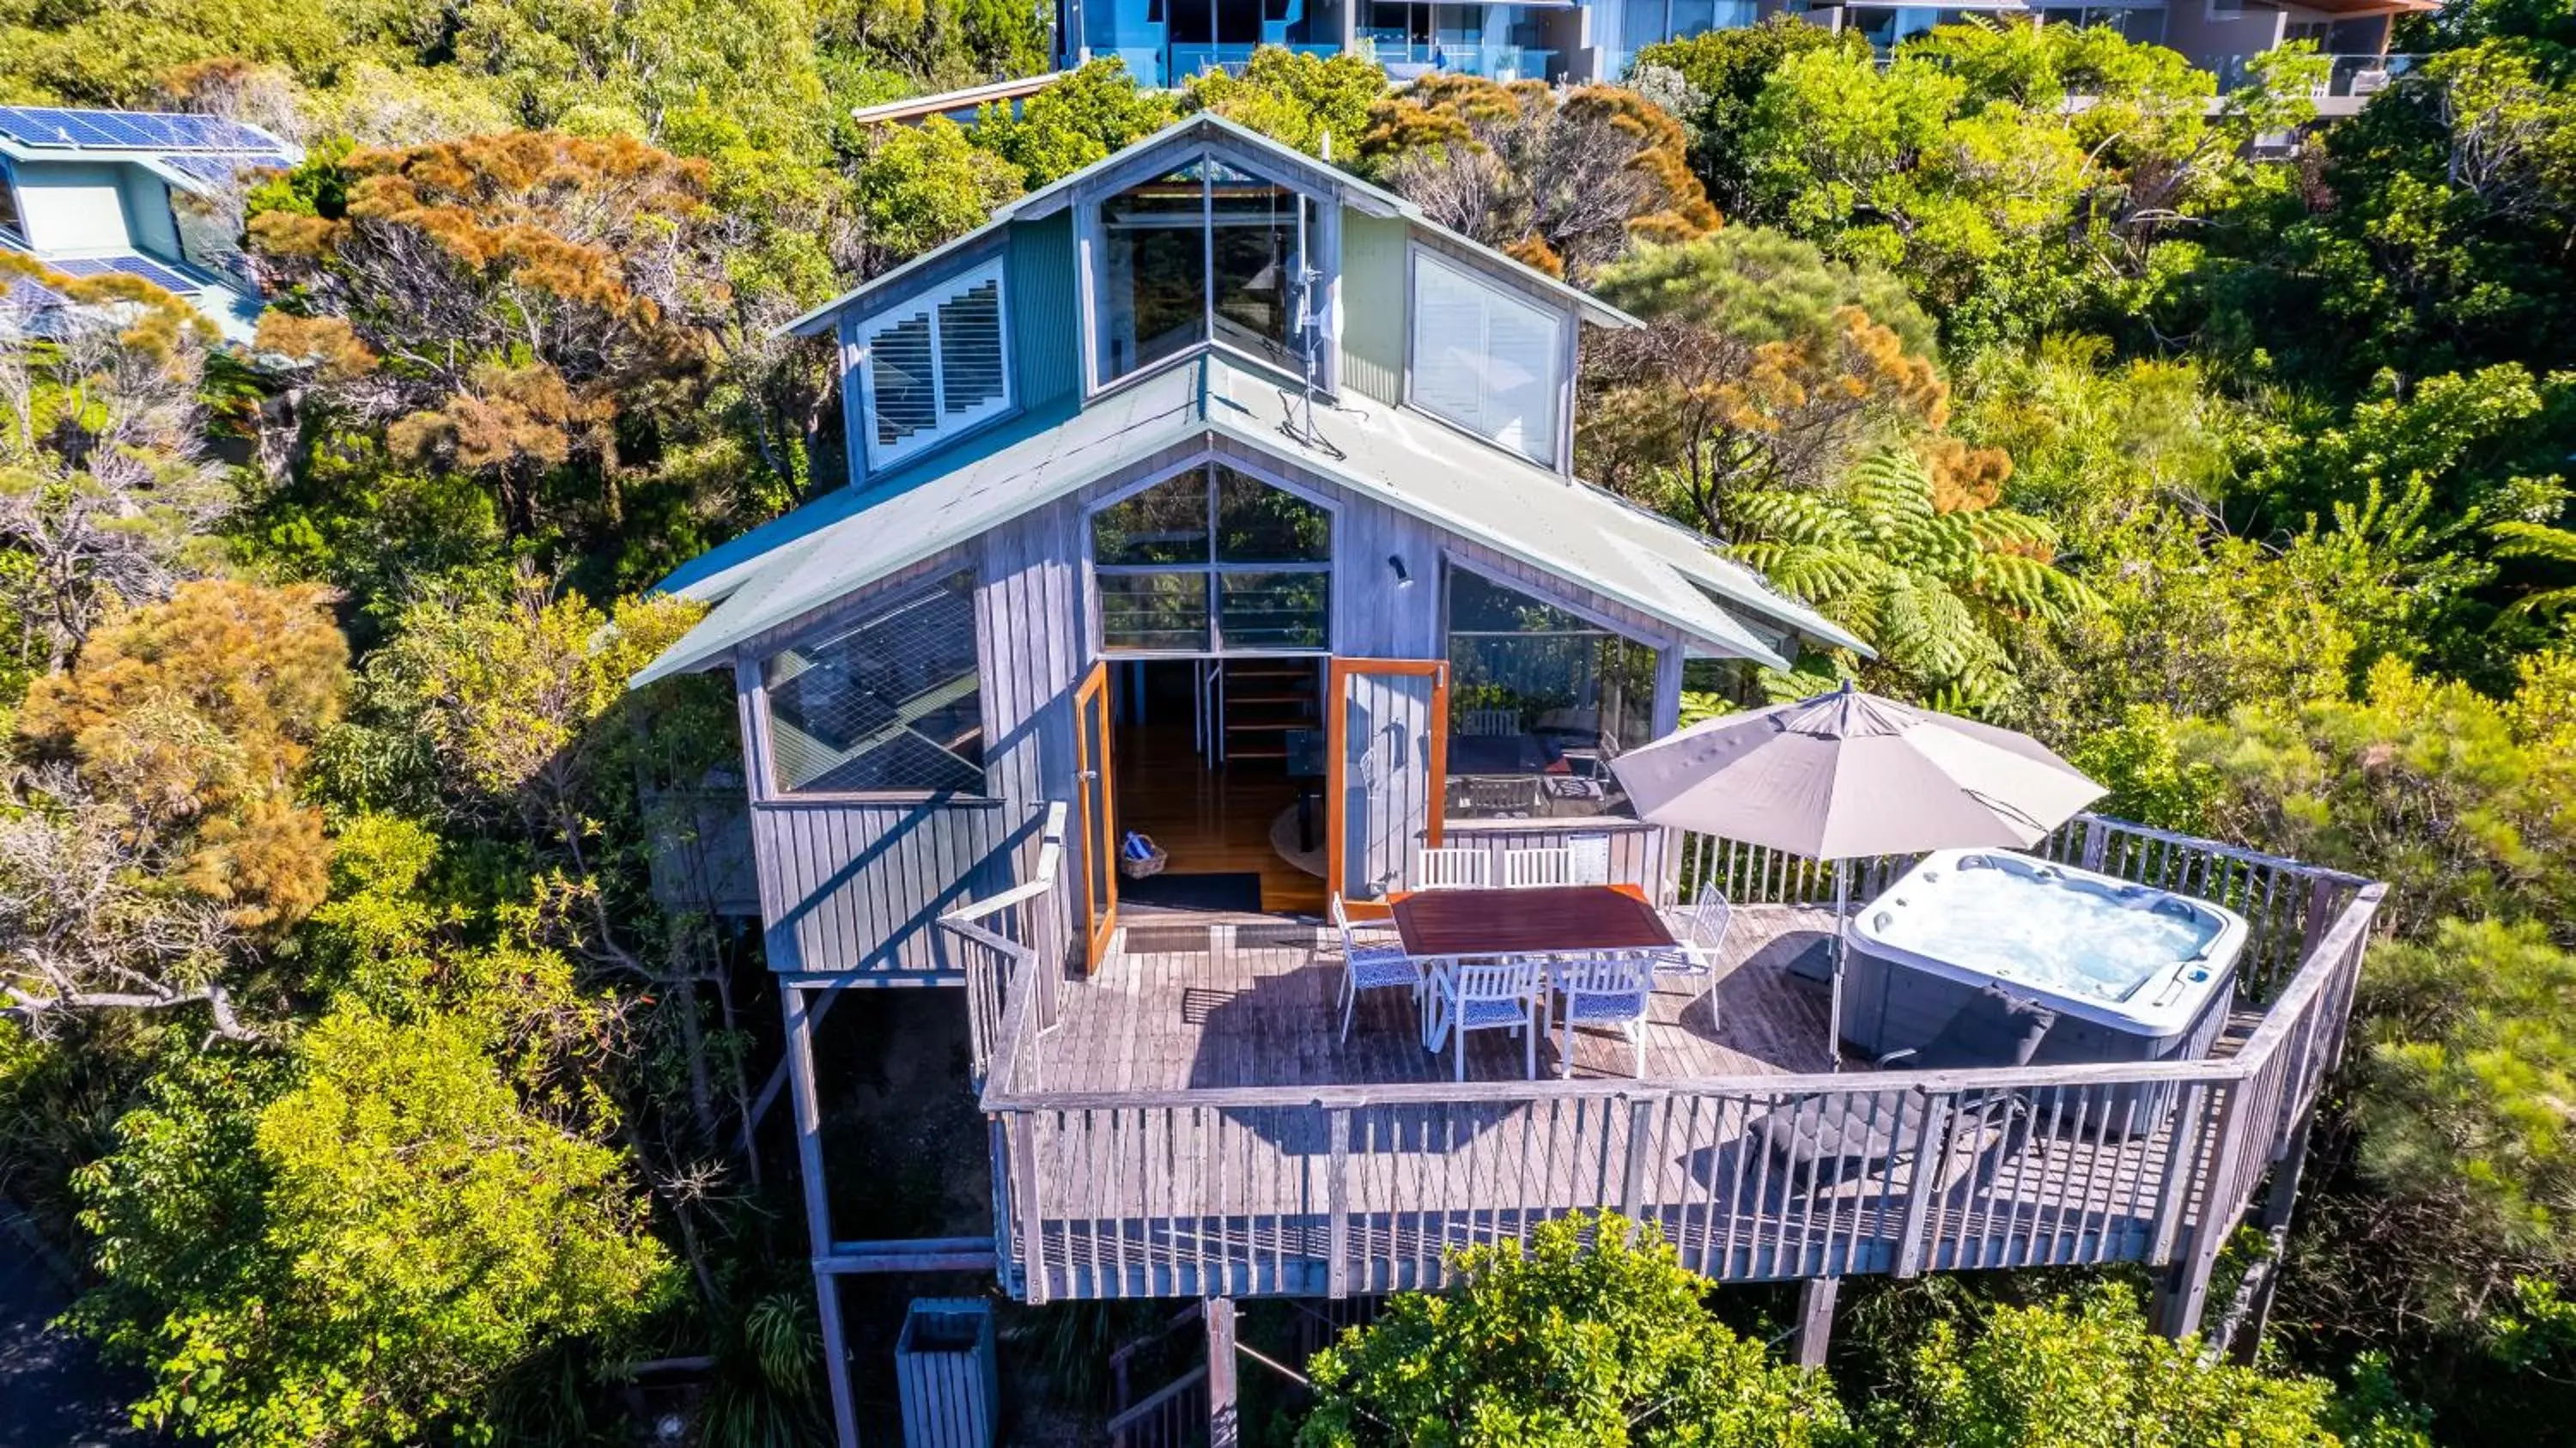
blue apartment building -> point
(1165, 41)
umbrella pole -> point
(1842, 938)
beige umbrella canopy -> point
(1848, 775)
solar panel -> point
(18, 291)
(217, 169)
(145, 267)
(129, 130)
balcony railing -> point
(2356, 77)
(1333, 1190)
(1405, 58)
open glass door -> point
(1387, 770)
(1099, 823)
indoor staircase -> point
(1260, 700)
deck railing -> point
(995, 941)
(1362, 1189)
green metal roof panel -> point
(841, 544)
(866, 535)
(1566, 527)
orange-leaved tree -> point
(154, 838)
(1562, 180)
(509, 306)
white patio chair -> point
(1441, 869)
(1699, 948)
(1372, 959)
(1490, 723)
(1485, 996)
(1611, 989)
(1525, 868)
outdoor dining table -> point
(1441, 927)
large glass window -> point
(889, 703)
(1213, 559)
(1486, 359)
(1204, 250)
(1540, 702)
(12, 225)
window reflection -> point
(1207, 250)
(1540, 702)
(1154, 271)
(1213, 560)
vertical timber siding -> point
(1373, 329)
(855, 885)
(1046, 311)
(860, 887)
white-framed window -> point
(934, 365)
(1486, 359)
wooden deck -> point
(1187, 1122)
(1182, 1006)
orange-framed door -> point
(1386, 770)
(1098, 795)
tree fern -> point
(1929, 590)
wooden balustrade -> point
(1363, 1189)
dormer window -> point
(934, 365)
(1486, 358)
(1205, 251)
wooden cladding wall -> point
(860, 887)
(854, 884)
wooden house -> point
(1215, 496)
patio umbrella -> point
(1849, 775)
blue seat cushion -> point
(1493, 1013)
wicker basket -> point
(1152, 864)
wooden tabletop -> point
(1530, 921)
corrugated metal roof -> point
(1547, 520)
(1056, 194)
(869, 538)
(1409, 462)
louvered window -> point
(1485, 359)
(889, 703)
(934, 366)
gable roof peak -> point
(1199, 127)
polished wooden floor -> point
(1213, 821)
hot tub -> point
(2134, 973)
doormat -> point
(1180, 890)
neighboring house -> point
(1214, 495)
(155, 195)
(1163, 41)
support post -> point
(818, 1211)
(2275, 1222)
(1816, 1319)
(1225, 1427)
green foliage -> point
(1962, 167)
(1593, 1336)
(1309, 101)
(1726, 70)
(1092, 112)
(923, 185)
(1932, 591)
(392, 1230)
(2086, 1373)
